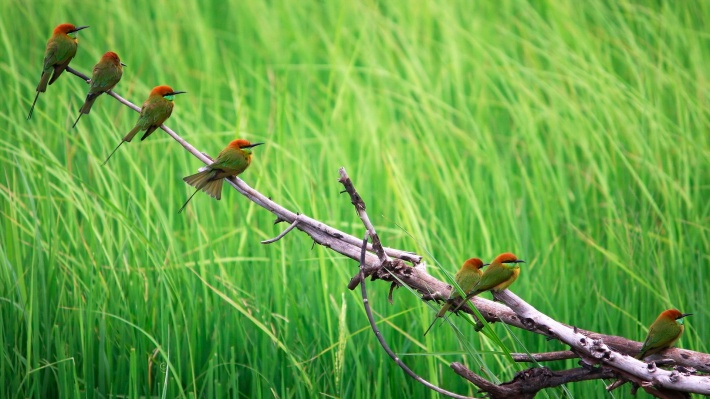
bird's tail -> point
(42, 86)
(32, 108)
(58, 71)
(149, 132)
(86, 108)
(204, 181)
(439, 314)
(132, 133)
(443, 310)
(114, 150)
(466, 299)
(77, 120)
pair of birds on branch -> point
(62, 47)
(504, 270)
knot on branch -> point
(600, 351)
(531, 376)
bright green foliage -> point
(572, 133)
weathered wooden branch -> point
(602, 356)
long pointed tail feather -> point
(128, 137)
(77, 120)
(90, 99)
(204, 181)
(32, 108)
(188, 200)
(42, 86)
(112, 152)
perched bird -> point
(500, 275)
(106, 74)
(664, 332)
(155, 110)
(61, 48)
(233, 160)
(466, 278)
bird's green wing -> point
(231, 159)
(154, 112)
(104, 78)
(492, 277)
(57, 52)
(660, 336)
(468, 280)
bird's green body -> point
(232, 161)
(106, 74)
(663, 333)
(60, 50)
(501, 273)
(466, 278)
(155, 110)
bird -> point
(107, 72)
(466, 278)
(60, 50)
(501, 273)
(663, 333)
(155, 110)
(233, 160)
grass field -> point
(575, 134)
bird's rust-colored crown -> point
(507, 257)
(64, 29)
(473, 263)
(110, 55)
(161, 90)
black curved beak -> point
(485, 264)
(176, 92)
(78, 28)
(122, 64)
(684, 315)
(253, 145)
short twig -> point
(283, 233)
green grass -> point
(574, 134)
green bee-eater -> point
(466, 278)
(155, 110)
(106, 74)
(664, 332)
(233, 160)
(498, 276)
(61, 48)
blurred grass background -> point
(574, 134)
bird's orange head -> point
(674, 314)
(507, 257)
(474, 263)
(164, 91)
(112, 57)
(65, 29)
(239, 144)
